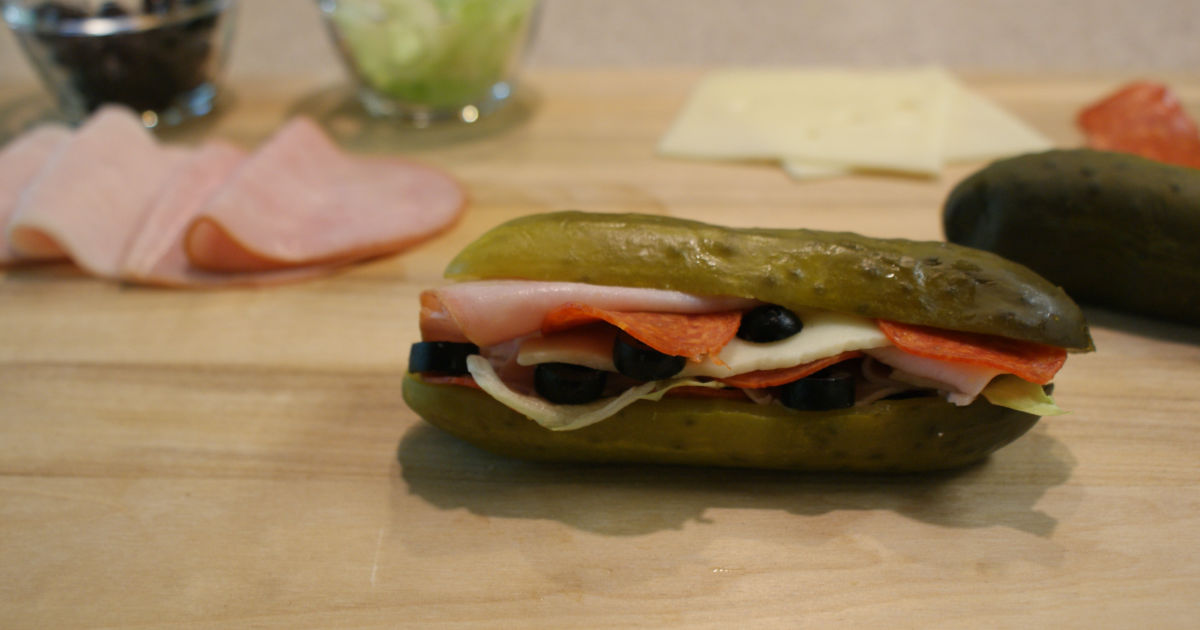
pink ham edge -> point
(20, 162)
(156, 252)
(963, 381)
(489, 312)
(89, 200)
(156, 255)
(299, 200)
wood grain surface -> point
(243, 458)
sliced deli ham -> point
(90, 197)
(156, 255)
(156, 252)
(299, 200)
(962, 381)
(20, 162)
(119, 204)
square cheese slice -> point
(885, 119)
(977, 129)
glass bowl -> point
(426, 61)
(160, 57)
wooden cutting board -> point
(243, 458)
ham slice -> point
(487, 312)
(299, 200)
(90, 197)
(155, 254)
(962, 381)
(20, 162)
(121, 206)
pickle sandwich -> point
(573, 336)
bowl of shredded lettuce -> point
(432, 60)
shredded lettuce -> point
(439, 53)
(1019, 394)
(569, 417)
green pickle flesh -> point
(927, 283)
(911, 435)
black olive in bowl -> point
(159, 57)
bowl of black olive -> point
(162, 58)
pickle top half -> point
(918, 282)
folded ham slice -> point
(156, 254)
(20, 162)
(299, 200)
(88, 200)
(962, 382)
(121, 206)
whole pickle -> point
(914, 434)
(1114, 230)
(930, 283)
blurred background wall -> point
(284, 37)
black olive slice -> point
(769, 322)
(447, 357)
(641, 362)
(828, 389)
(568, 384)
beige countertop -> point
(243, 458)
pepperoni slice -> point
(1033, 362)
(689, 391)
(450, 379)
(771, 378)
(694, 336)
(1145, 119)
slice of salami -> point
(1145, 119)
(451, 379)
(1031, 361)
(694, 336)
(771, 378)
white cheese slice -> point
(805, 170)
(979, 129)
(890, 120)
(976, 129)
(589, 346)
(824, 334)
